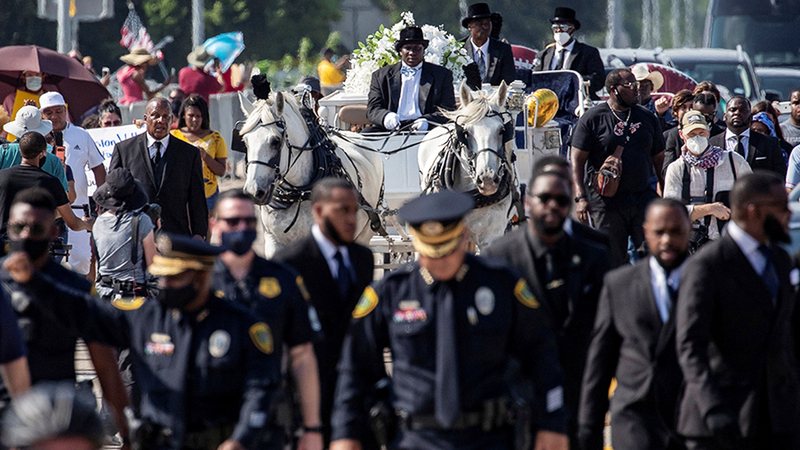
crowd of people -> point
(664, 296)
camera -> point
(699, 238)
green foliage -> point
(287, 71)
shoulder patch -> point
(262, 337)
(302, 287)
(523, 293)
(127, 303)
(367, 302)
(269, 287)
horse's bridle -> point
(468, 158)
(274, 163)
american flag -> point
(134, 33)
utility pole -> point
(198, 25)
(65, 24)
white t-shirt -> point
(82, 154)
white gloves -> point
(391, 121)
(420, 124)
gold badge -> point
(302, 286)
(269, 287)
(367, 302)
(160, 338)
(523, 293)
(431, 228)
(262, 337)
(127, 303)
(219, 294)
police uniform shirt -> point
(497, 318)
(210, 368)
(275, 293)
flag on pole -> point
(134, 33)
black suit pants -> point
(618, 218)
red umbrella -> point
(81, 90)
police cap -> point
(179, 253)
(436, 221)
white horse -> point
(281, 163)
(472, 154)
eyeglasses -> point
(413, 48)
(561, 200)
(36, 230)
(563, 27)
(631, 85)
(234, 221)
(112, 123)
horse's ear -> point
(279, 103)
(245, 104)
(465, 94)
(499, 96)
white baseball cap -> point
(49, 99)
(28, 118)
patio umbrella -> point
(81, 90)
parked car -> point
(778, 82)
(730, 70)
(616, 58)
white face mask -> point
(561, 38)
(697, 145)
(33, 83)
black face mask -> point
(775, 231)
(330, 230)
(177, 298)
(239, 242)
(34, 248)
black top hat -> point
(565, 15)
(120, 192)
(476, 11)
(410, 35)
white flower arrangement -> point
(378, 51)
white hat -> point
(641, 72)
(51, 99)
(28, 118)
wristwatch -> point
(316, 429)
(579, 198)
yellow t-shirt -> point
(329, 75)
(215, 146)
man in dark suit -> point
(634, 341)
(169, 170)
(760, 151)
(336, 271)
(564, 272)
(494, 58)
(411, 91)
(568, 54)
(737, 328)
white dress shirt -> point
(660, 283)
(484, 49)
(749, 246)
(329, 249)
(151, 148)
(408, 107)
(730, 141)
(564, 57)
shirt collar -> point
(418, 66)
(539, 248)
(661, 273)
(326, 246)
(569, 46)
(484, 48)
(151, 140)
(731, 135)
(748, 244)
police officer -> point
(52, 304)
(275, 293)
(452, 322)
(205, 367)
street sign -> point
(82, 10)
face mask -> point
(697, 145)
(561, 38)
(33, 83)
(34, 248)
(239, 242)
(775, 231)
(177, 298)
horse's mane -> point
(476, 110)
(262, 113)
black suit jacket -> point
(583, 231)
(181, 193)
(435, 90)
(672, 148)
(736, 348)
(334, 311)
(763, 152)
(630, 342)
(588, 264)
(583, 59)
(500, 66)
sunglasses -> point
(631, 85)
(112, 123)
(234, 221)
(563, 27)
(35, 229)
(413, 48)
(561, 200)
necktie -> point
(446, 398)
(409, 71)
(342, 275)
(672, 293)
(769, 274)
(559, 59)
(481, 64)
(157, 157)
(740, 147)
